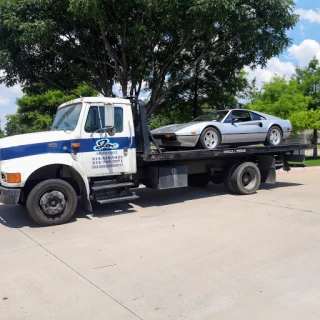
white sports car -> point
(225, 127)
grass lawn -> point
(312, 162)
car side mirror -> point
(235, 120)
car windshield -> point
(67, 117)
(212, 116)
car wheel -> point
(274, 136)
(209, 139)
(52, 202)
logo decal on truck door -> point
(105, 144)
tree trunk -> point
(315, 143)
(195, 98)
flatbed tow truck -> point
(100, 149)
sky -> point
(305, 45)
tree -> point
(36, 112)
(157, 42)
(286, 99)
(309, 80)
(1, 133)
(199, 97)
(14, 125)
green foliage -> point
(14, 125)
(175, 114)
(305, 120)
(297, 99)
(180, 113)
(36, 112)
(284, 99)
(159, 42)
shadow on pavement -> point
(17, 216)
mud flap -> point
(267, 167)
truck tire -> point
(52, 202)
(246, 178)
(198, 180)
(227, 177)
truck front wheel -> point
(52, 202)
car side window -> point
(94, 123)
(241, 115)
(255, 116)
(228, 119)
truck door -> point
(103, 153)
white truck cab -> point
(89, 137)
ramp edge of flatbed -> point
(223, 152)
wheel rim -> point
(275, 136)
(249, 179)
(53, 203)
(211, 139)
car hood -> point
(34, 138)
(172, 128)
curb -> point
(300, 169)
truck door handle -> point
(130, 134)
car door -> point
(239, 127)
(108, 154)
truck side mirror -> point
(109, 117)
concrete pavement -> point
(179, 254)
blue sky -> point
(305, 45)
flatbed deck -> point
(202, 154)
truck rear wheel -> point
(52, 202)
(227, 177)
(246, 178)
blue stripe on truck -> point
(86, 145)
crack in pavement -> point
(75, 271)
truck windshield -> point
(212, 116)
(67, 117)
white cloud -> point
(4, 101)
(304, 52)
(298, 55)
(311, 15)
(16, 89)
(8, 96)
(274, 67)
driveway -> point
(179, 254)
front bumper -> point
(177, 140)
(9, 196)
